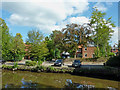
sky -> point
(49, 15)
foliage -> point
(102, 32)
(12, 47)
(114, 61)
(30, 63)
(40, 67)
(5, 37)
(9, 67)
(17, 47)
(38, 48)
(111, 54)
(53, 46)
(51, 68)
(40, 62)
(15, 65)
(72, 36)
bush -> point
(111, 54)
(7, 67)
(51, 68)
(15, 65)
(4, 66)
(40, 62)
(113, 61)
(30, 63)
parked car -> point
(58, 62)
(2, 61)
(76, 63)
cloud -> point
(114, 38)
(43, 15)
(119, 33)
(79, 20)
(109, 3)
(100, 6)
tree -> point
(5, 39)
(74, 35)
(38, 47)
(17, 47)
(50, 46)
(102, 31)
(53, 46)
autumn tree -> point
(74, 35)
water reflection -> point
(20, 79)
(70, 84)
(27, 84)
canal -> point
(26, 79)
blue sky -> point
(48, 16)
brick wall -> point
(89, 52)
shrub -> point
(15, 65)
(40, 67)
(7, 67)
(40, 62)
(113, 61)
(51, 68)
(30, 63)
(111, 54)
(4, 66)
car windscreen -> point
(76, 61)
(58, 61)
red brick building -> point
(85, 52)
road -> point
(69, 64)
(66, 64)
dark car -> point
(2, 61)
(76, 63)
(58, 62)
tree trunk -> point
(75, 54)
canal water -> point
(26, 79)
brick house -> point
(86, 52)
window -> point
(113, 49)
(79, 50)
(93, 55)
(85, 48)
(85, 54)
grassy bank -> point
(105, 72)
